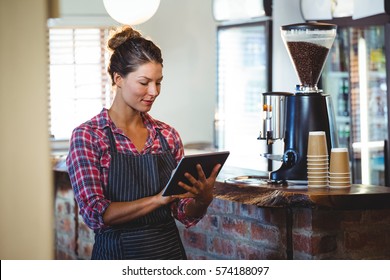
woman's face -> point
(139, 89)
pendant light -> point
(131, 12)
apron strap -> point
(112, 140)
(164, 144)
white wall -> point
(186, 33)
(26, 188)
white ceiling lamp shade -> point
(131, 12)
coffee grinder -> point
(290, 116)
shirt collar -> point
(103, 120)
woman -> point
(120, 160)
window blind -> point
(79, 85)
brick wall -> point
(74, 240)
(237, 231)
(232, 230)
(347, 234)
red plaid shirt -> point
(88, 163)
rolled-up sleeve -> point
(178, 210)
(84, 172)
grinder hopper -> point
(308, 46)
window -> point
(243, 75)
(79, 84)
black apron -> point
(153, 236)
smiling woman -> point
(120, 161)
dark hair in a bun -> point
(129, 51)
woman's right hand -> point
(164, 200)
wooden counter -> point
(297, 195)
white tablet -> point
(188, 164)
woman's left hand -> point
(201, 189)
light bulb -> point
(131, 12)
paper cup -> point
(317, 161)
(318, 165)
(340, 173)
(339, 187)
(318, 170)
(317, 145)
(340, 177)
(318, 183)
(317, 156)
(339, 181)
(317, 173)
(317, 186)
(339, 161)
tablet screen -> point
(188, 164)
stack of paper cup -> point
(339, 171)
(317, 160)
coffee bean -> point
(308, 60)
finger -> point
(188, 188)
(185, 195)
(190, 178)
(201, 175)
(215, 171)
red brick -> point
(351, 216)
(274, 216)
(325, 220)
(193, 256)
(324, 244)
(61, 255)
(67, 225)
(274, 254)
(249, 252)
(64, 207)
(355, 240)
(220, 246)
(249, 211)
(302, 243)
(234, 226)
(221, 206)
(376, 216)
(302, 218)
(84, 231)
(265, 215)
(67, 243)
(194, 239)
(209, 223)
(84, 250)
(314, 245)
(268, 234)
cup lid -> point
(317, 133)
(339, 150)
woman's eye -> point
(143, 83)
